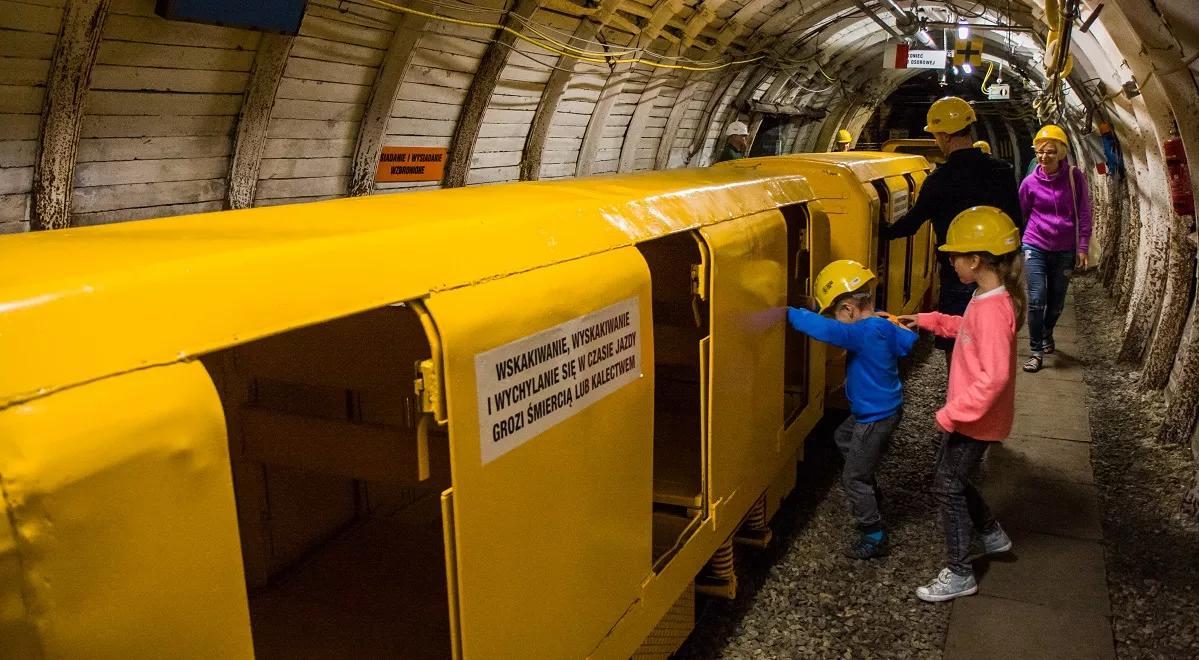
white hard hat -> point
(737, 128)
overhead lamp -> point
(963, 30)
(967, 69)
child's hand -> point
(909, 321)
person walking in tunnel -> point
(983, 245)
(845, 289)
(736, 142)
(1057, 204)
(844, 139)
(968, 178)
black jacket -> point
(968, 178)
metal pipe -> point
(877, 19)
(981, 26)
(902, 18)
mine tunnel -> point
(599, 329)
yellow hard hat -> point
(982, 144)
(843, 137)
(982, 229)
(839, 278)
(1050, 132)
(949, 115)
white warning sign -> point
(529, 385)
(899, 204)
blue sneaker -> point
(867, 547)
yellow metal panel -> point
(552, 536)
(748, 299)
(120, 498)
(154, 292)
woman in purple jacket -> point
(1056, 203)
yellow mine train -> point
(517, 421)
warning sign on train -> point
(532, 384)
(411, 164)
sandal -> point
(1033, 365)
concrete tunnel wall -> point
(109, 113)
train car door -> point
(748, 293)
(550, 406)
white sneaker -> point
(992, 543)
(947, 586)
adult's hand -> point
(1080, 261)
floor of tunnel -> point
(1151, 548)
(802, 599)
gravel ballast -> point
(1152, 550)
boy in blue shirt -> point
(846, 290)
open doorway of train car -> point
(894, 257)
(882, 250)
(341, 538)
(799, 266)
(681, 337)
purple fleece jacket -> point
(1046, 203)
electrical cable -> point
(566, 50)
(988, 76)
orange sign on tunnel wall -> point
(411, 164)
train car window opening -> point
(335, 523)
(799, 267)
(681, 332)
(883, 246)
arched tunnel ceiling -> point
(281, 119)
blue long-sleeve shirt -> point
(871, 370)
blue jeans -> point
(964, 512)
(1048, 276)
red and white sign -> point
(901, 56)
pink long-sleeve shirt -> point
(981, 402)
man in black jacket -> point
(967, 178)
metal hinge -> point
(427, 387)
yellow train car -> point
(862, 191)
(440, 424)
(926, 147)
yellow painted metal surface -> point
(552, 538)
(120, 534)
(844, 183)
(748, 298)
(158, 291)
(549, 543)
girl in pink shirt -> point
(984, 248)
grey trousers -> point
(862, 446)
